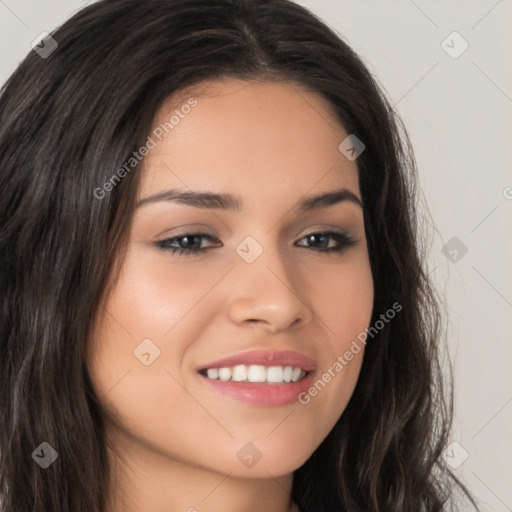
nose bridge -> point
(263, 256)
(267, 290)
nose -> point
(267, 293)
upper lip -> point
(265, 358)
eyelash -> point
(345, 241)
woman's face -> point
(263, 289)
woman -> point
(213, 295)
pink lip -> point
(263, 394)
(265, 358)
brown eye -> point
(186, 243)
(322, 239)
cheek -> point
(147, 314)
(349, 309)
(155, 295)
(154, 299)
(156, 308)
(343, 298)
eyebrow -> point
(226, 201)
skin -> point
(172, 440)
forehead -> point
(238, 134)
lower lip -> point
(265, 395)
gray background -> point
(458, 114)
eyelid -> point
(190, 228)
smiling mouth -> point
(257, 374)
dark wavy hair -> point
(69, 121)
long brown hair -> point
(69, 121)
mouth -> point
(256, 374)
(263, 378)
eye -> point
(321, 239)
(186, 243)
(190, 243)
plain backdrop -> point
(447, 67)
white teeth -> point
(213, 373)
(225, 373)
(257, 373)
(239, 373)
(296, 374)
(275, 374)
